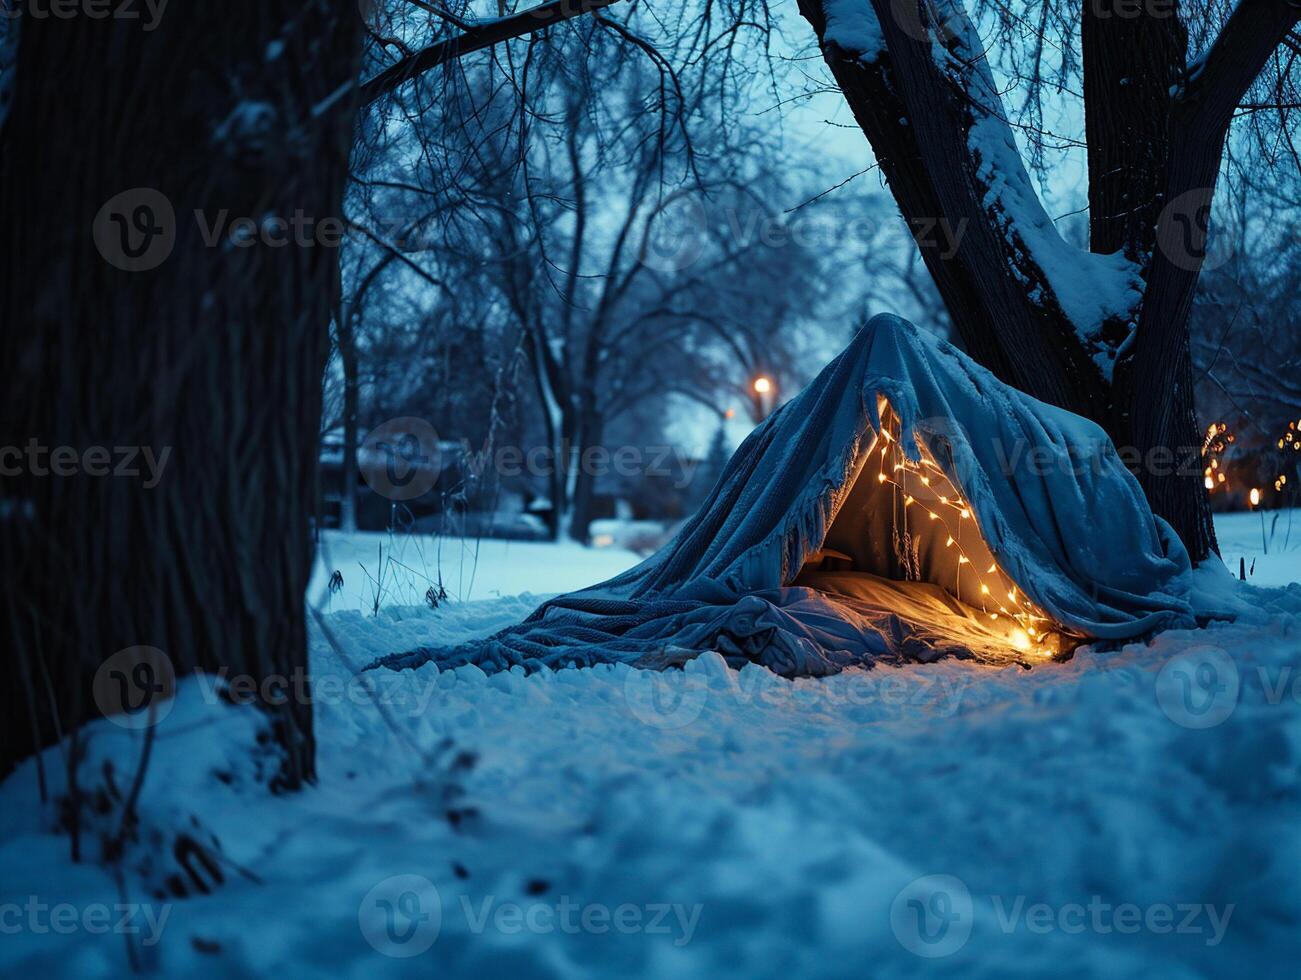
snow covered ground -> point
(1131, 812)
(398, 569)
(1269, 542)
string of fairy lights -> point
(943, 513)
(1216, 444)
(1290, 440)
(1217, 441)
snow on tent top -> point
(906, 505)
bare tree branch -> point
(476, 38)
(1219, 80)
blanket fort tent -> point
(906, 505)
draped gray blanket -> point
(1056, 507)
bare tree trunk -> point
(584, 500)
(351, 407)
(1162, 413)
(919, 87)
(141, 313)
(919, 127)
(552, 435)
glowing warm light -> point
(762, 385)
(1217, 441)
(1029, 628)
(1289, 441)
(1255, 497)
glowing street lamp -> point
(765, 397)
(1254, 498)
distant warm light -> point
(762, 385)
(1218, 439)
(730, 413)
(1255, 497)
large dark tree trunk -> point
(124, 327)
(919, 87)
